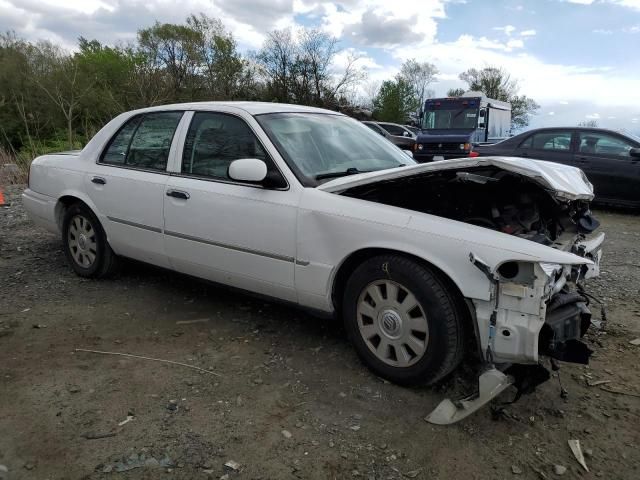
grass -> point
(13, 169)
(14, 166)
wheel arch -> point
(353, 260)
(66, 200)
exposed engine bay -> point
(487, 197)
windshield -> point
(632, 135)
(318, 147)
(446, 118)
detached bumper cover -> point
(490, 384)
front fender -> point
(332, 227)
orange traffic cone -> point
(2, 202)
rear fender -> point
(66, 198)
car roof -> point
(253, 108)
(579, 129)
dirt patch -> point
(292, 399)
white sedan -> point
(424, 263)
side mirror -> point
(405, 134)
(634, 152)
(248, 170)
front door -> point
(234, 233)
(127, 185)
(605, 159)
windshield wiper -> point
(344, 173)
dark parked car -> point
(412, 129)
(611, 160)
(399, 135)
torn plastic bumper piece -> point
(490, 384)
(567, 321)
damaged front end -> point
(535, 308)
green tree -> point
(522, 107)
(497, 83)
(176, 50)
(419, 75)
(298, 68)
(395, 101)
(455, 92)
(110, 71)
(26, 112)
(66, 87)
(218, 52)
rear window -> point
(548, 141)
(143, 142)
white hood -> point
(563, 181)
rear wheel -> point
(85, 243)
(404, 322)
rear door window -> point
(393, 129)
(556, 141)
(144, 141)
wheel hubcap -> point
(392, 323)
(82, 241)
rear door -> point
(605, 159)
(128, 181)
(551, 145)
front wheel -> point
(403, 320)
(85, 243)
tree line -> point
(51, 99)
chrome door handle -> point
(98, 180)
(178, 194)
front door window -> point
(594, 143)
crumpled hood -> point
(562, 181)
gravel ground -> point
(291, 399)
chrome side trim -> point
(134, 224)
(231, 247)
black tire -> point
(442, 307)
(104, 261)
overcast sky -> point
(580, 59)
